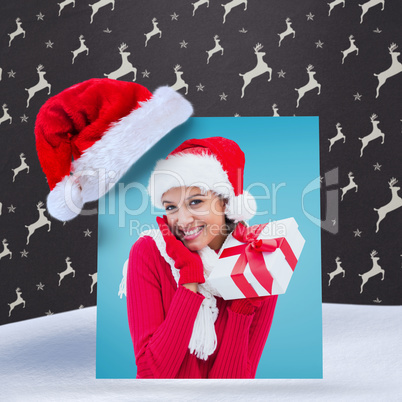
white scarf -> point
(203, 340)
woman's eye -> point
(195, 202)
(170, 208)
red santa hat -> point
(89, 135)
(215, 164)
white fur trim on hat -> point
(65, 202)
(186, 169)
(106, 161)
(205, 172)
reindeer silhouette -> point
(338, 270)
(126, 67)
(94, 280)
(64, 4)
(334, 4)
(155, 31)
(81, 49)
(6, 250)
(275, 110)
(21, 167)
(5, 116)
(198, 4)
(312, 83)
(375, 133)
(369, 4)
(396, 68)
(41, 221)
(350, 186)
(339, 136)
(98, 5)
(216, 49)
(42, 84)
(395, 203)
(375, 270)
(180, 83)
(232, 4)
(17, 302)
(259, 69)
(352, 48)
(17, 32)
(289, 31)
(69, 270)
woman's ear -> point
(224, 204)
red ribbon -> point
(251, 253)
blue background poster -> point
(282, 172)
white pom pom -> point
(242, 207)
(64, 202)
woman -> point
(180, 326)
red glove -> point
(247, 306)
(189, 262)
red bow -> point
(250, 235)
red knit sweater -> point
(161, 318)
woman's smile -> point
(191, 234)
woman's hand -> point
(189, 262)
(247, 306)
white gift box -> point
(243, 270)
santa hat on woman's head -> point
(215, 164)
(105, 126)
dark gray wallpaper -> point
(338, 60)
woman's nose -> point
(184, 217)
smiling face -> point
(197, 219)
